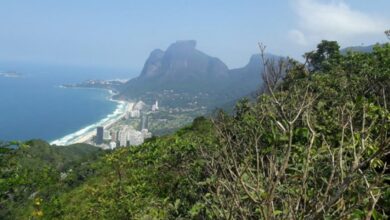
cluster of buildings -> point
(125, 136)
(134, 110)
(128, 136)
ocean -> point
(35, 106)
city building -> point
(112, 145)
(139, 105)
(135, 113)
(99, 135)
(114, 135)
(122, 136)
(128, 136)
(144, 122)
(155, 106)
(106, 136)
(134, 110)
(134, 137)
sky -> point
(122, 33)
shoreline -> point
(86, 133)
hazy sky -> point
(122, 33)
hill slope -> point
(35, 171)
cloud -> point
(298, 37)
(332, 20)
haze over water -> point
(35, 106)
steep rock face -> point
(248, 78)
(182, 61)
(153, 64)
(181, 67)
(250, 71)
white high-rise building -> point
(135, 113)
(155, 106)
(135, 138)
(112, 145)
(106, 135)
(128, 136)
(122, 136)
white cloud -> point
(333, 20)
(298, 37)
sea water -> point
(35, 106)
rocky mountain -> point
(183, 68)
(183, 61)
(248, 78)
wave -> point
(109, 119)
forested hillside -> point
(314, 145)
(34, 172)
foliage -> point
(35, 171)
(311, 147)
(326, 57)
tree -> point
(325, 57)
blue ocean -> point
(35, 105)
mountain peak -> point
(156, 53)
(183, 45)
(183, 61)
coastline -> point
(85, 134)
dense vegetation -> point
(314, 145)
(34, 171)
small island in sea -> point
(10, 74)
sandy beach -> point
(89, 135)
(85, 135)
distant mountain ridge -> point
(184, 68)
(362, 49)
